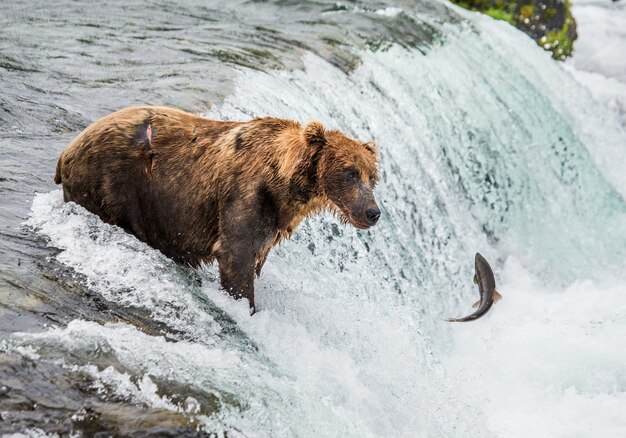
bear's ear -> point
(314, 133)
(372, 147)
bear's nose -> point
(372, 215)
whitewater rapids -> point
(486, 145)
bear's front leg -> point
(237, 263)
(247, 229)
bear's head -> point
(347, 174)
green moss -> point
(550, 23)
(559, 42)
(527, 11)
(549, 13)
(499, 14)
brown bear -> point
(200, 190)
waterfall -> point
(485, 145)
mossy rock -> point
(549, 22)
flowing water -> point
(485, 145)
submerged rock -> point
(549, 22)
(44, 396)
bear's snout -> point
(362, 211)
(372, 215)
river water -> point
(486, 145)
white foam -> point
(328, 361)
(117, 265)
(32, 433)
(547, 361)
(599, 61)
(110, 380)
(601, 42)
(388, 12)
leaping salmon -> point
(483, 277)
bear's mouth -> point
(361, 226)
(348, 218)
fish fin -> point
(496, 297)
(477, 303)
(475, 279)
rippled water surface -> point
(485, 145)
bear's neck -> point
(304, 184)
(295, 163)
(304, 195)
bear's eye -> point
(353, 174)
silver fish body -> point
(486, 282)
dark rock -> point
(549, 22)
(44, 395)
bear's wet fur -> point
(201, 190)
